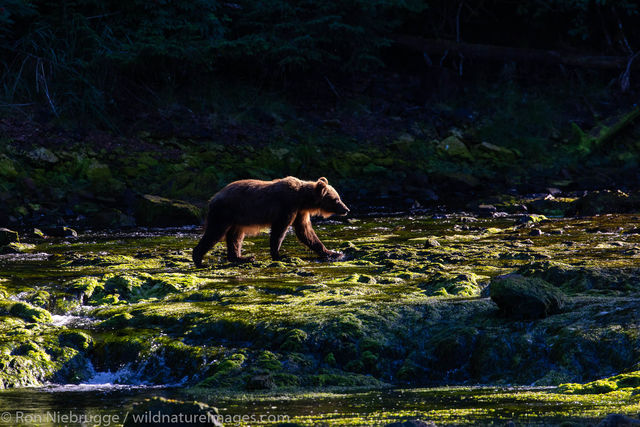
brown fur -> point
(245, 207)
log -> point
(617, 127)
(504, 53)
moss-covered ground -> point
(406, 307)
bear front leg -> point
(234, 238)
(306, 234)
(278, 231)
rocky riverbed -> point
(417, 301)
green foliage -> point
(92, 57)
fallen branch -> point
(502, 53)
(616, 128)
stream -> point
(402, 327)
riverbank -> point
(510, 146)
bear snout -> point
(342, 209)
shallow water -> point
(110, 405)
(387, 267)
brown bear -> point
(247, 206)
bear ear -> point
(321, 188)
(323, 179)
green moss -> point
(294, 340)
(16, 248)
(629, 382)
(330, 360)
(117, 321)
(523, 297)
(76, 339)
(268, 361)
(225, 372)
(29, 313)
(84, 286)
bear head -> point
(328, 199)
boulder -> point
(606, 201)
(111, 218)
(525, 297)
(8, 236)
(42, 154)
(454, 147)
(431, 243)
(156, 211)
(59, 231)
(16, 248)
(158, 411)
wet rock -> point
(8, 236)
(606, 201)
(550, 205)
(59, 231)
(531, 219)
(525, 297)
(536, 232)
(16, 248)
(431, 243)
(158, 411)
(156, 211)
(618, 420)
(486, 211)
(38, 234)
(24, 311)
(467, 219)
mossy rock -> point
(225, 373)
(606, 201)
(8, 236)
(171, 413)
(445, 284)
(629, 380)
(268, 361)
(7, 167)
(25, 311)
(76, 339)
(580, 279)
(16, 248)
(525, 297)
(294, 340)
(261, 382)
(454, 147)
(156, 211)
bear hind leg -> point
(213, 233)
(234, 238)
